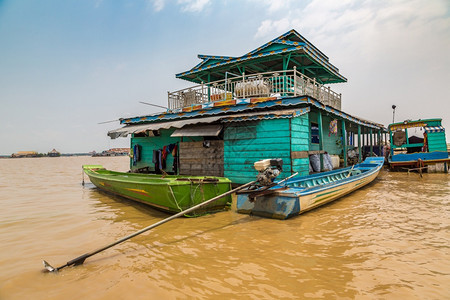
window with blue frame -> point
(314, 133)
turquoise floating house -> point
(272, 102)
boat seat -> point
(356, 172)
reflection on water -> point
(387, 240)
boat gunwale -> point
(123, 177)
(303, 191)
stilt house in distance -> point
(272, 102)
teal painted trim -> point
(271, 140)
(290, 142)
(409, 145)
(258, 154)
(297, 147)
(259, 147)
(344, 142)
(300, 136)
(300, 162)
(379, 142)
(371, 142)
(407, 139)
(319, 121)
(359, 144)
(249, 168)
(249, 175)
(244, 135)
(239, 162)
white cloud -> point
(271, 28)
(158, 5)
(193, 5)
(392, 52)
(275, 5)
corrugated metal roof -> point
(291, 42)
(124, 131)
(277, 114)
(274, 114)
(247, 104)
(198, 130)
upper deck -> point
(289, 65)
(266, 84)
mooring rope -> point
(174, 199)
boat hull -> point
(167, 193)
(420, 159)
(291, 200)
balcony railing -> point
(269, 84)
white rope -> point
(174, 199)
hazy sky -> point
(67, 65)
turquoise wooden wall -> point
(151, 143)
(436, 142)
(247, 142)
(331, 143)
(300, 140)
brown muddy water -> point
(389, 240)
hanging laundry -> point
(333, 127)
(170, 148)
(155, 160)
(175, 158)
(136, 153)
(174, 151)
(164, 152)
(159, 154)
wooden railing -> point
(269, 84)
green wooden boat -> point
(170, 193)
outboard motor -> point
(268, 169)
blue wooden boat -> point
(301, 194)
(411, 152)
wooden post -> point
(406, 133)
(209, 87)
(344, 143)
(379, 143)
(319, 120)
(392, 144)
(371, 142)
(243, 85)
(295, 81)
(359, 144)
(363, 138)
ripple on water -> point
(387, 240)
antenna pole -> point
(393, 112)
